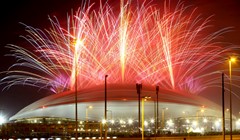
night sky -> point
(226, 13)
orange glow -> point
(232, 59)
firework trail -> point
(142, 43)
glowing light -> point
(130, 121)
(104, 121)
(2, 120)
(152, 121)
(232, 59)
(217, 123)
(205, 120)
(139, 43)
(238, 124)
(170, 123)
(90, 107)
(122, 122)
(194, 123)
(145, 123)
(112, 121)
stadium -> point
(170, 49)
(177, 113)
(121, 100)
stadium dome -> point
(122, 102)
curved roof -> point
(122, 101)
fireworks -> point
(140, 43)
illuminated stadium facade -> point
(122, 101)
(178, 113)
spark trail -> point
(143, 43)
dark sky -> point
(35, 13)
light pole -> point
(76, 56)
(76, 107)
(156, 128)
(139, 87)
(105, 111)
(143, 99)
(232, 59)
(223, 108)
(86, 129)
(77, 46)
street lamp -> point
(223, 108)
(76, 107)
(105, 111)
(77, 44)
(88, 107)
(139, 87)
(156, 128)
(143, 99)
(232, 59)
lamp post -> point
(143, 99)
(105, 111)
(76, 56)
(139, 87)
(223, 108)
(156, 131)
(86, 129)
(76, 112)
(232, 59)
(76, 107)
(77, 46)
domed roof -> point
(122, 101)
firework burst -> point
(142, 43)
